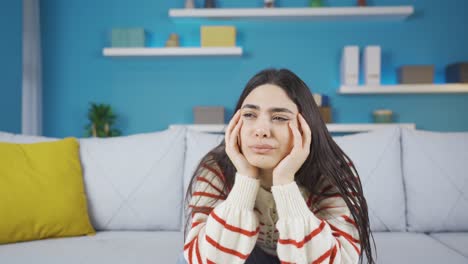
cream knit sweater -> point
(308, 229)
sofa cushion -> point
(458, 241)
(135, 182)
(116, 247)
(376, 156)
(41, 191)
(405, 247)
(434, 167)
(198, 145)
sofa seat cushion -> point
(456, 240)
(406, 247)
(105, 247)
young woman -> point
(278, 189)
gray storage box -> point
(208, 115)
(415, 74)
(457, 73)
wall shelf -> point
(405, 89)
(179, 51)
(333, 128)
(313, 13)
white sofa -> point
(414, 181)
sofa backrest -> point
(436, 180)
(135, 182)
(377, 158)
(131, 182)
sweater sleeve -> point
(226, 230)
(323, 234)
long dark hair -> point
(326, 159)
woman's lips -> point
(262, 149)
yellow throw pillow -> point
(41, 191)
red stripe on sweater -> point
(306, 239)
(326, 189)
(191, 250)
(200, 178)
(224, 249)
(333, 254)
(201, 207)
(309, 201)
(194, 224)
(234, 228)
(349, 220)
(343, 233)
(207, 194)
(320, 199)
(197, 251)
(323, 257)
(258, 211)
(189, 244)
(210, 262)
(217, 173)
(350, 242)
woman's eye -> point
(279, 118)
(248, 115)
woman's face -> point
(265, 137)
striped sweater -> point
(287, 222)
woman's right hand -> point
(233, 150)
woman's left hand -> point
(286, 169)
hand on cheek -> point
(286, 169)
(233, 150)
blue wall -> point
(10, 65)
(148, 94)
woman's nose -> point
(262, 132)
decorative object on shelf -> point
(457, 73)
(362, 3)
(350, 65)
(383, 116)
(323, 104)
(372, 65)
(208, 115)
(210, 3)
(173, 41)
(315, 3)
(189, 4)
(218, 36)
(416, 74)
(326, 113)
(128, 37)
(269, 3)
(101, 118)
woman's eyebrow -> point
(271, 110)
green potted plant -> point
(101, 118)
